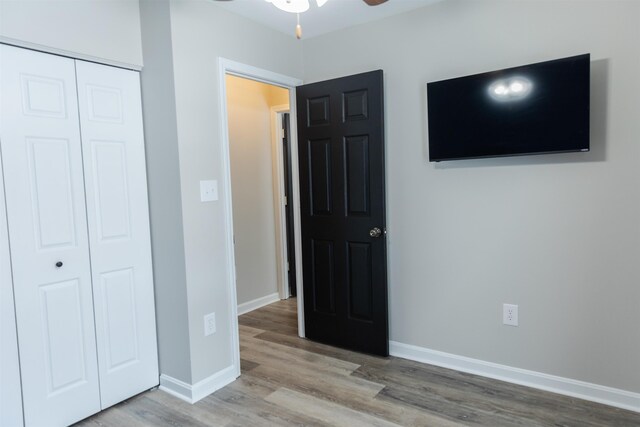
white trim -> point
(258, 74)
(257, 303)
(228, 215)
(555, 384)
(68, 53)
(297, 220)
(175, 387)
(198, 391)
(226, 66)
(277, 112)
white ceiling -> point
(334, 15)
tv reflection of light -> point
(510, 89)
(500, 90)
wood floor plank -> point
(262, 412)
(254, 385)
(198, 411)
(327, 412)
(287, 312)
(273, 315)
(265, 352)
(317, 382)
(400, 414)
(113, 417)
(247, 365)
(326, 350)
(267, 325)
(438, 405)
(248, 331)
(161, 415)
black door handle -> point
(59, 264)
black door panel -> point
(341, 159)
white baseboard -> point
(580, 389)
(257, 303)
(200, 390)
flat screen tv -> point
(532, 109)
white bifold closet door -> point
(72, 147)
(42, 159)
(117, 208)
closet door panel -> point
(42, 158)
(117, 208)
(10, 392)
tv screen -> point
(532, 109)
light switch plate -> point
(208, 191)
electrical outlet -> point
(510, 314)
(209, 324)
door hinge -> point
(288, 269)
(286, 201)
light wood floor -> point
(290, 381)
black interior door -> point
(341, 162)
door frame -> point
(277, 112)
(227, 66)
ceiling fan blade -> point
(374, 2)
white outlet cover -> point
(209, 191)
(510, 314)
(209, 324)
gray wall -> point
(106, 29)
(163, 175)
(557, 234)
(201, 33)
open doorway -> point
(276, 113)
(258, 122)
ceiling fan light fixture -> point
(291, 6)
(300, 6)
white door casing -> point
(118, 218)
(10, 389)
(46, 212)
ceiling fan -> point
(321, 2)
(299, 6)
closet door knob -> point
(59, 264)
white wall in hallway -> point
(252, 180)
